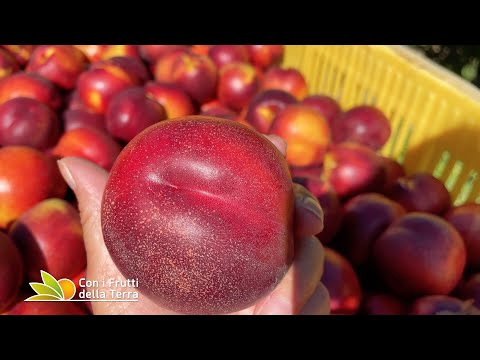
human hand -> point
(299, 292)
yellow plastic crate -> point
(435, 115)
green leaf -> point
(42, 289)
(49, 280)
(42, 298)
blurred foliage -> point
(464, 60)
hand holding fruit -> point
(300, 291)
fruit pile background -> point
(394, 242)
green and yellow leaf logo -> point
(51, 289)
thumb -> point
(87, 180)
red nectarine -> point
(200, 211)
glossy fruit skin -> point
(97, 86)
(130, 112)
(223, 55)
(134, 67)
(264, 56)
(365, 125)
(466, 219)
(327, 106)
(421, 192)
(28, 176)
(127, 51)
(200, 211)
(176, 102)
(50, 238)
(352, 169)
(90, 144)
(366, 217)
(264, 107)
(31, 86)
(420, 254)
(162, 69)
(306, 133)
(290, 80)
(237, 84)
(61, 64)
(342, 283)
(28, 122)
(196, 75)
(11, 271)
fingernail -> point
(67, 176)
(312, 205)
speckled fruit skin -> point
(200, 211)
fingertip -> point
(278, 142)
(87, 181)
(83, 176)
(319, 302)
(308, 213)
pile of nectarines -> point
(217, 196)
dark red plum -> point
(366, 217)
(420, 254)
(365, 125)
(421, 192)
